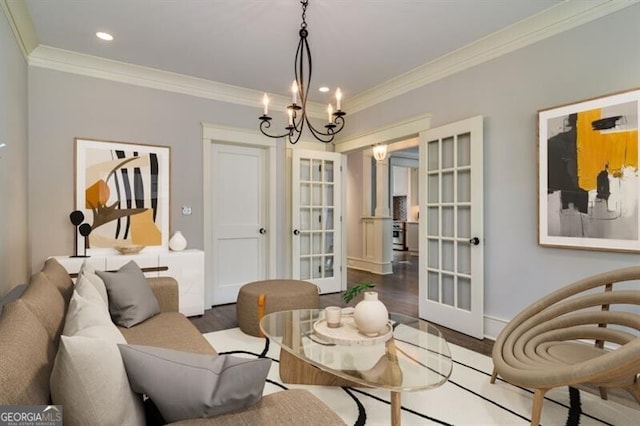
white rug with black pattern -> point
(466, 399)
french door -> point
(451, 272)
(316, 200)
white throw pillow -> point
(85, 288)
(90, 381)
(89, 272)
(90, 318)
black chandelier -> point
(297, 114)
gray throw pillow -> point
(131, 299)
(185, 385)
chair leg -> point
(494, 376)
(536, 411)
(603, 393)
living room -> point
(46, 104)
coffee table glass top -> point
(416, 357)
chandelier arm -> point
(265, 123)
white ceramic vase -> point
(178, 242)
(371, 316)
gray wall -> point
(64, 106)
(13, 161)
(590, 61)
(595, 59)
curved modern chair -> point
(585, 333)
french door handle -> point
(262, 231)
(296, 232)
(474, 241)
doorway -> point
(239, 200)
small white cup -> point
(333, 314)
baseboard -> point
(370, 266)
(493, 326)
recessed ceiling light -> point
(324, 89)
(104, 36)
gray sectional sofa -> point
(31, 336)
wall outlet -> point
(186, 210)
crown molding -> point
(560, 18)
(388, 134)
(20, 22)
(94, 66)
(563, 17)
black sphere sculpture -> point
(76, 217)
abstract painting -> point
(123, 191)
(588, 174)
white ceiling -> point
(356, 44)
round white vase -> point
(178, 242)
(371, 316)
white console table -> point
(187, 267)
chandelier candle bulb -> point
(265, 101)
(294, 92)
(330, 113)
(338, 98)
(290, 113)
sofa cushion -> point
(290, 407)
(47, 303)
(131, 300)
(13, 294)
(88, 271)
(89, 317)
(27, 357)
(90, 381)
(59, 277)
(170, 330)
(185, 385)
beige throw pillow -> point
(87, 316)
(90, 381)
(89, 272)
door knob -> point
(262, 231)
(296, 232)
(474, 241)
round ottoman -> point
(259, 298)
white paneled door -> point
(239, 214)
(451, 236)
(317, 219)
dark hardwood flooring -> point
(398, 291)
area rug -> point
(466, 399)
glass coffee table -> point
(415, 357)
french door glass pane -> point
(464, 186)
(433, 287)
(433, 188)
(447, 222)
(433, 155)
(433, 221)
(464, 222)
(464, 293)
(447, 153)
(447, 256)
(464, 258)
(464, 150)
(447, 187)
(448, 290)
(432, 260)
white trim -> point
(563, 17)
(369, 266)
(389, 134)
(211, 134)
(122, 72)
(555, 20)
(17, 14)
(493, 326)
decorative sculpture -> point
(83, 229)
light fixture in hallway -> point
(380, 152)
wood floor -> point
(398, 291)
